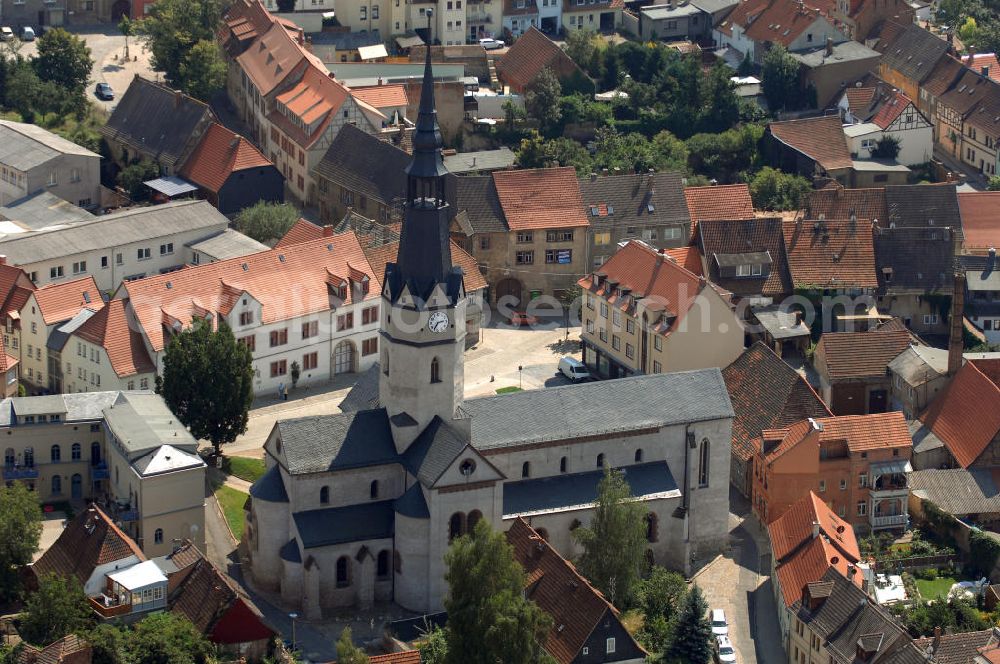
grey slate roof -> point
(914, 53)
(365, 165)
(41, 405)
(353, 523)
(923, 205)
(958, 491)
(228, 244)
(559, 492)
(476, 197)
(412, 503)
(43, 209)
(25, 146)
(631, 194)
(363, 395)
(484, 160)
(914, 259)
(290, 551)
(713, 6)
(433, 451)
(155, 120)
(270, 487)
(336, 442)
(127, 226)
(60, 335)
(141, 422)
(379, 233)
(920, 364)
(780, 323)
(924, 440)
(626, 404)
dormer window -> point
(342, 291)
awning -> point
(409, 42)
(139, 576)
(372, 52)
(171, 186)
(897, 466)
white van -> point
(573, 369)
(27, 33)
(719, 625)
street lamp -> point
(519, 369)
(293, 616)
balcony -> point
(477, 17)
(99, 472)
(108, 607)
(20, 473)
(893, 521)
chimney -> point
(815, 529)
(829, 46)
(937, 638)
(955, 341)
(328, 230)
(380, 81)
(593, 177)
(3, 259)
(178, 98)
(991, 259)
(798, 318)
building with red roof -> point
(15, 289)
(852, 368)
(880, 110)
(231, 173)
(810, 147)
(532, 53)
(727, 201)
(753, 25)
(857, 464)
(980, 221)
(644, 313)
(117, 351)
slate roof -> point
(914, 259)
(476, 197)
(836, 253)
(564, 413)
(89, 540)
(923, 205)
(26, 146)
(965, 416)
(412, 503)
(61, 301)
(958, 491)
(573, 491)
(540, 198)
(472, 276)
(433, 451)
(839, 203)
(335, 442)
(976, 98)
(913, 53)
(851, 355)
(365, 165)
(218, 155)
(821, 139)
(979, 219)
(528, 56)
(626, 199)
(555, 585)
(339, 525)
(153, 119)
(363, 395)
(482, 160)
(766, 393)
(270, 487)
(110, 329)
(742, 236)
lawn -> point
(244, 468)
(231, 501)
(507, 390)
(938, 587)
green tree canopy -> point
(541, 99)
(127, 28)
(208, 382)
(347, 652)
(266, 222)
(994, 183)
(173, 27)
(489, 620)
(132, 177)
(203, 71)
(887, 147)
(20, 530)
(692, 638)
(614, 544)
(59, 607)
(581, 46)
(64, 59)
(772, 189)
(166, 638)
(660, 597)
(780, 84)
(536, 152)
(434, 649)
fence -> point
(914, 562)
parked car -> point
(491, 44)
(27, 33)
(719, 625)
(521, 319)
(104, 91)
(6, 34)
(573, 369)
(724, 652)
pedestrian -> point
(284, 391)
(281, 391)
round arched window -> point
(468, 467)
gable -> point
(484, 470)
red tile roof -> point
(382, 96)
(859, 99)
(891, 109)
(980, 221)
(219, 154)
(60, 302)
(861, 354)
(301, 231)
(271, 58)
(830, 253)
(91, 539)
(288, 282)
(775, 21)
(406, 657)
(70, 649)
(557, 588)
(110, 329)
(730, 201)
(835, 202)
(644, 272)
(529, 55)
(540, 198)
(15, 288)
(868, 432)
(821, 139)
(966, 415)
(315, 99)
(803, 558)
(688, 258)
(979, 61)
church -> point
(360, 507)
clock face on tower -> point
(438, 322)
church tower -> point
(423, 297)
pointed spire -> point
(427, 160)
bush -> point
(928, 574)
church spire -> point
(424, 258)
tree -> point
(994, 183)
(166, 638)
(720, 107)
(541, 99)
(64, 59)
(969, 32)
(434, 649)
(693, 633)
(780, 74)
(671, 152)
(266, 222)
(20, 530)
(886, 147)
(203, 71)
(660, 596)
(611, 69)
(59, 607)
(581, 46)
(132, 177)
(347, 652)
(127, 29)
(208, 382)
(107, 643)
(173, 27)
(536, 152)
(772, 189)
(489, 619)
(614, 544)
(746, 65)
(295, 372)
